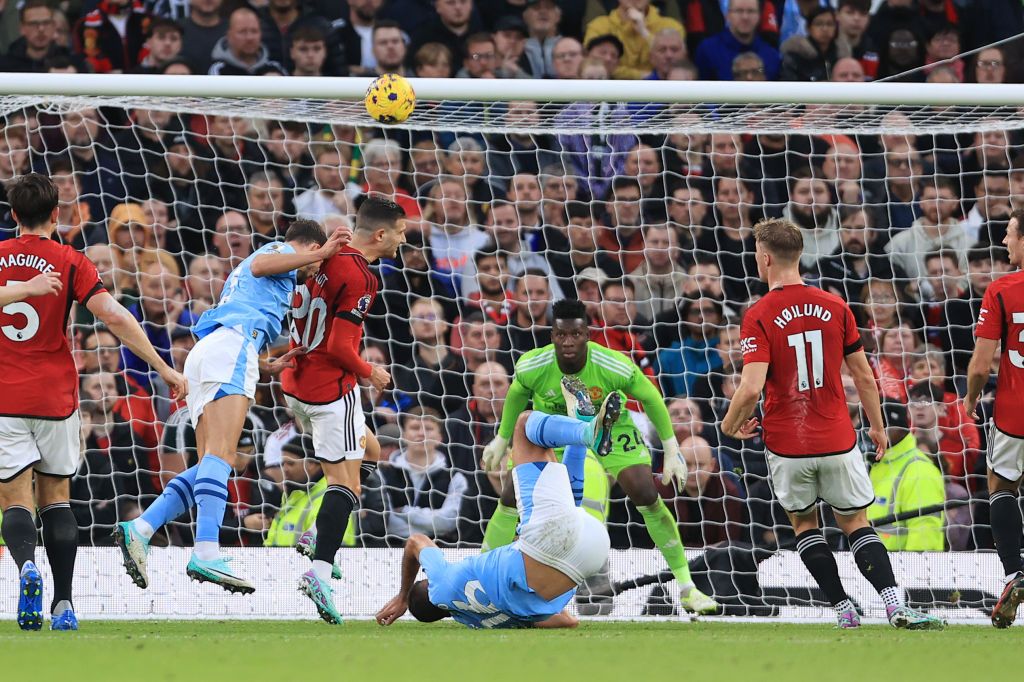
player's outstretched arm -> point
(673, 470)
(738, 422)
(40, 285)
(978, 372)
(867, 390)
(268, 264)
(126, 328)
(399, 604)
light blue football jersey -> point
(487, 590)
(255, 306)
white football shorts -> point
(50, 446)
(842, 481)
(223, 363)
(338, 428)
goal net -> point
(637, 198)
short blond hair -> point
(781, 238)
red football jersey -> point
(803, 334)
(1002, 319)
(37, 373)
(345, 287)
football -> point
(390, 99)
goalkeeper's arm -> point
(515, 402)
(641, 388)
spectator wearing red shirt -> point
(112, 35)
(613, 330)
(710, 509)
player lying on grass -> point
(794, 343)
(529, 582)
(222, 371)
(625, 457)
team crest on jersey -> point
(596, 394)
(748, 345)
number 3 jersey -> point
(344, 288)
(804, 334)
(1001, 318)
(37, 372)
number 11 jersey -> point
(804, 334)
(344, 288)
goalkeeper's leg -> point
(638, 483)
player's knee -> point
(643, 493)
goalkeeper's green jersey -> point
(538, 378)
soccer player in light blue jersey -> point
(530, 582)
(222, 371)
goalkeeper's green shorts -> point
(628, 449)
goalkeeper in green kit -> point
(538, 378)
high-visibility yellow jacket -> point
(636, 62)
(906, 479)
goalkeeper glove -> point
(674, 470)
(494, 454)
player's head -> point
(420, 606)
(779, 246)
(305, 236)
(570, 331)
(33, 199)
(1013, 241)
(380, 224)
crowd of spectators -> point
(652, 231)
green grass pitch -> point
(195, 651)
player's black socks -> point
(1004, 511)
(19, 532)
(821, 564)
(332, 521)
(60, 537)
(366, 469)
(872, 558)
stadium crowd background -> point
(652, 231)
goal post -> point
(167, 182)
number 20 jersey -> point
(344, 288)
(804, 334)
(37, 373)
(1001, 318)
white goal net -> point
(637, 198)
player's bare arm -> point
(40, 285)
(399, 604)
(867, 389)
(269, 264)
(274, 366)
(978, 372)
(738, 423)
(125, 327)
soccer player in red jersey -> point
(322, 388)
(1001, 319)
(794, 342)
(39, 422)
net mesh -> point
(167, 195)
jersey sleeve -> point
(851, 335)
(990, 317)
(754, 340)
(644, 390)
(86, 281)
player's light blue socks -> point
(556, 431)
(176, 498)
(211, 493)
(573, 457)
